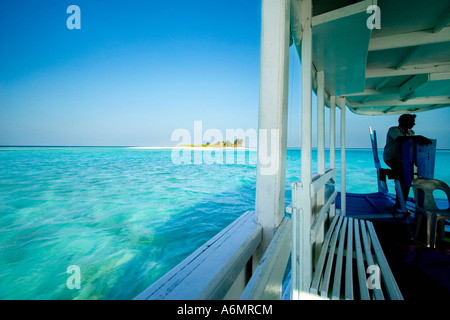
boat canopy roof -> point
(389, 59)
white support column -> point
(272, 135)
(332, 142)
(343, 192)
(320, 197)
(320, 122)
(302, 255)
(332, 131)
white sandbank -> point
(195, 148)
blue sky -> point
(138, 70)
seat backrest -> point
(423, 192)
(382, 186)
(373, 140)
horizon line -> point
(165, 147)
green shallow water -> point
(123, 216)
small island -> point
(238, 143)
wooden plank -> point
(363, 290)
(327, 274)
(319, 180)
(317, 225)
(356, 229)
(408, 70)
(266, 282)
(336, 294)
(411, 39)
(274, 82)
(304, 248)
(321, 128)
(349, 263)
(321, 261)
(341, 12)
(332, 131)
(400, 102)
(377, 292)
(388, 278)
(341, 104)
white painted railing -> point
(267, 280)
(304, 236)
(219, 269)
(319, 182)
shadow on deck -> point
(421, 273)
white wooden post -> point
(343, 192)
(320, 198)
(302, 256)
(320, 123)
(332, 131)
(272, 137)
(332, 142)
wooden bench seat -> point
(352, 265)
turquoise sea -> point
(124, 216)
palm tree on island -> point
(238, 143)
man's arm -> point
(419, 139)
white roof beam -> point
(388, 109)
(405, 92)
(342, 12)
(409, 39)
(408, 88)
(408, 70)
(374, 92)
(398, 109)
(439, 76)
(400, 102)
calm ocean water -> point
(124, 216)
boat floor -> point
(373, 206)
(421, 272)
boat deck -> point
(375, 206)
(421, 273)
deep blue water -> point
(124, 216)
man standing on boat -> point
(392, 154)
